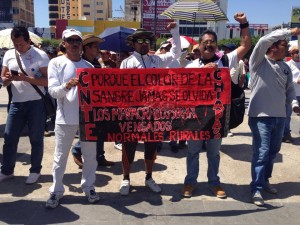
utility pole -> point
(155, 20)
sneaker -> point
(218, 192)
(150, 183)
(53, 201)
(92, 196)
(78, 160)
(187, 190)
(230, 134)
(287, 138)
(32, 178)
(125, 187)
(270, 189)
(118, 146)
(105, 162)
(257, 199)
(5, 177)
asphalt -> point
(25, 204)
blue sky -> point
(272, 12)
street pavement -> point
(25, 204)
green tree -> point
(54, 43)
(237, 42)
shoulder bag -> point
(48, 103)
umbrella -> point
(6, 42)
(195, 11)
(185, 41)
(114, 39)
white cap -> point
(70, 32)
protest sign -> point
(125, 105)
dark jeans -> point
(33, 114)
(76, 150)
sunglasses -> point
(295, 52)
(141, 41)
(211, 42)
(74, 40)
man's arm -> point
(6, 76)
(245, 35)
(175, 51)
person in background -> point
(294, 65)
(113, 56)
(121, 56)
(90, 53)
(141, 40)
(209, 59)
(271, 89)
(27, 106)
(165, 47)
(237, 73)
(63, 86)
(105, 60)
(196, 51)
(61, 49)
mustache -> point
(209, 48)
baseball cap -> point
(229, 46)
(70, 32)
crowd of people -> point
(273, 97)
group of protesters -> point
(272, 88)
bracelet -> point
(244, 25)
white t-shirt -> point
(61, 70)
(232, 61)
(236, 72)
(295, 67)
(32, 60)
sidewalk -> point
(25, 204)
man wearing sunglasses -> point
(63, 86)
(208, 59)
(142, 40)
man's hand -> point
(295, 31)
(211, 65)
(240, 17)
(171, 25)
(20, 77)
(72, 83)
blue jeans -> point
(287, 127)
(213, 158)
(33, 114)
(267, 135)
(76, 150)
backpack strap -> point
(225, 61)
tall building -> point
(14, 13)
(79, 9)
(133, 10)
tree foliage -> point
(54, 43)
(237, 42)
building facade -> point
(79, 9)
(16, 13)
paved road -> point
(24, 204)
